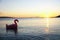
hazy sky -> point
(29, 8)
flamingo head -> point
(16, 20)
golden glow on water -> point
(47, 25)
(47, 22)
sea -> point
(31, 29)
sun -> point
(48, 14)
(45, 14)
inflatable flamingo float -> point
(12, 26)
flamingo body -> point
(12, 26)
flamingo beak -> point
(17, 21)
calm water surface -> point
(31, 29)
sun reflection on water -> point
(47, 26)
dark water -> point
(31, 29)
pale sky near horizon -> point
(29, 8)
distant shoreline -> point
(6, 17)
(28, 17)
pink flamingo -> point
(12, 26)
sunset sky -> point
(30, 8)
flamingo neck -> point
(15, 22)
